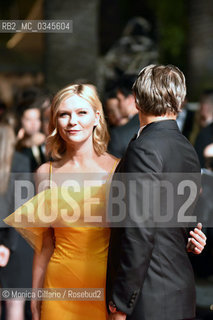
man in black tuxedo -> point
(149, 274)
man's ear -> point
(97, 118)
(137, 107)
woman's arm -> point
(40, 262)
(41, 259)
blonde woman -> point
(71, 255)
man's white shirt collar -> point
(140, 130)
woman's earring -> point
(97, 121)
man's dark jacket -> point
(149, 274)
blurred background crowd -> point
(111, 41)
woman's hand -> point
(197, 243)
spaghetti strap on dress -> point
(50, 174)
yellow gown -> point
(79, 259)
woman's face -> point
(76, 120)
(31, 121)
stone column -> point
(71, 56)
(200, 50)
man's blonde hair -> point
(159, 90)
(56, 146)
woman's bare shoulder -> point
(109, 161)
(110, 157)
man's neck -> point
(146, 119)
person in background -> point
(203, 265)
(30, 138)
(45, 111)
(205, 136)
(3, 108)
(208, 157)
(121, 136)
(112, 111)
(15, 254)
(185, 120)
(45, 119)
(206, 108)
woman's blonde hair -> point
(56, 146)
(7, 147)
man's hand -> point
(117, 316)
(4, 255)
(197, 243)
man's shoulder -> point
(160, 131)
(161, 142)
(148, 138)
